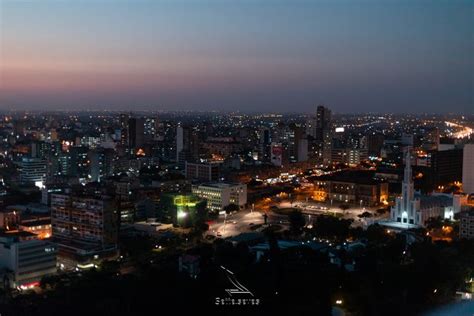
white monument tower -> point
(407, 208)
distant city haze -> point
(283, 56)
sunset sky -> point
(355, 56)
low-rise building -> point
(358, 188)
(26, 259)
(41, 227)
(219, 195)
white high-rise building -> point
(407, 207)
(468, 169)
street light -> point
(225, 217)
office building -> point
(220, 195)
(123, 123)
(466, 224)
(33, 171)
(375, 144)
(444, 167)
(468, 169)
(205, 172)
(187, 145)
(323, 134)
(276, 154)
(101, 163)
(26, 259)
(136, 133)
(358, 188)
(347, 155)
(79, 161)
(85, 227)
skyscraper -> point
(187, 145)
(468, 169)
(136, 132)
(179, 140)
(33, 171)
(100, 163)
(124, 118)
(323, 134)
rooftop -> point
(350, 176)
(219, 185)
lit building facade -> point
(182, 210)
(84, 227)
(33, 171)
(219, 195)
(407, 207)
(466, 224)
(413, 209)
(28, 260)
(360, 191)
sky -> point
(246, 55)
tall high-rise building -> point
(151, 128)
(85, 227)
(468, 169)
(187, 145)
(375, 144)
(79, 161)
(101, 160)
(124, 129)
(33, 171)
(444, 166)
(276, 154)
(264, 141)
(136, 132)
(19, 127)
(179, 140)
(323, 134)
(323, 121)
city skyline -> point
(253, 56)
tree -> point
(365, 214)
(382, 211)
(297, 221)
(377, 234)
(344, 207)
(332, 227)
(231, 208)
